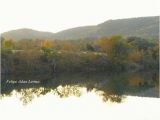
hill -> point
(145, 27)
(27, 34)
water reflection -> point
(113, 87)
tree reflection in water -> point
(113, 87)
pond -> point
(124, 96)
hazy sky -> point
(56, 15)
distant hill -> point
(145, 27)
(27, 34)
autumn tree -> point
(136, 55)
(8, 44)
(116, 48)
(47, 44)
(26, 44)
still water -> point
(124, 96)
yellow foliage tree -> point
(8, 44)
(47, 44)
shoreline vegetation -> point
(115, 66)
(107, 54)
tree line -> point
(114, 53)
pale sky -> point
(57, 15)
